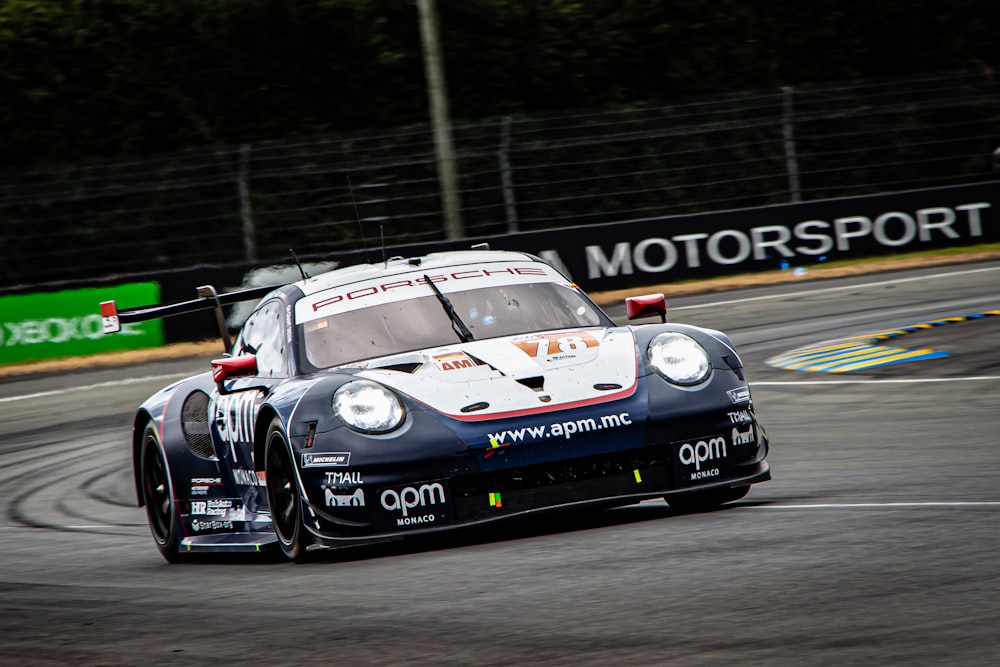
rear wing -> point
(208, 298)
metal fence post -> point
(246, 210)
(505, 175)
(441, 119)
(788, 130)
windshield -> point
(414, 324)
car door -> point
(233, 411)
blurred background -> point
(143, 136)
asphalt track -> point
(876, 543)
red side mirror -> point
(234, 367)
(646, 306)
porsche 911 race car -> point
(427, 393)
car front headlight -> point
(367, 407)
(679, 358)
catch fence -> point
(332, 194)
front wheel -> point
(702, 501)
(283, 495)
(158, 496)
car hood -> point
(515, 375)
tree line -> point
(94, 79)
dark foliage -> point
(108, 78)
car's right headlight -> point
(679, 358)
(367, 407)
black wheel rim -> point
(157, 490)
(281, 485)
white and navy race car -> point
(428, 393)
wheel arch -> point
(142, 418)
(265, 416)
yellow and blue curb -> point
(863, 352)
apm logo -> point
(235, 415)
(702, 452)
(411, 497)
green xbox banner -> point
(52, 325)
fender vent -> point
(194, 423)
(402, 368)
(536, 382)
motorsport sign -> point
(644, 252)
(657, 250)
(52, 325)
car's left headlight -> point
(679, 358)
(368, 407)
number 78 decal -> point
(544, 345)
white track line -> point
(839, 288)
(895, 505)
(99, 385)
(97, 527)
(779, 383)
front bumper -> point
(709, 451)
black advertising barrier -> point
(651, 251)
(182, 285)
(660, 250)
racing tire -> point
(158, 497)
(283, 496)
(703, 501)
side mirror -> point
(233, 367)
(646, 306)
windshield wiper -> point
(457, 325)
